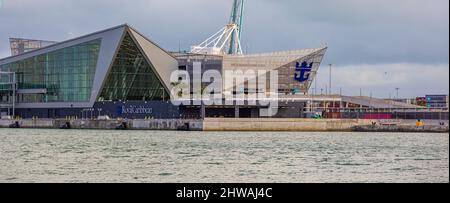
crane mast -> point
(237, 17)
(228, 39)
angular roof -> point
(111, 38)
(270, 61)
(63, 44)
(273, 61)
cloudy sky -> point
(376, 45)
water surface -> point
(31, 155)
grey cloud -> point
(356, 31)
(381, 31)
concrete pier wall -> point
(239, 124)
(160, 124)
(29, 123)
(279, 124)
(173, 124)
(401, 128)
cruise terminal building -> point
(121, 73)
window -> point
(132, 78)
(60, 72)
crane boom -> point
(228, 39)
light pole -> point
(360, 95)
(340, 100)
(315, 84)
(330, 79)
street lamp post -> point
(330, 92)
(315, 84)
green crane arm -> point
(237, 17)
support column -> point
(203, 111)
(301, 110)
(236, 111)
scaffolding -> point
(20, 45)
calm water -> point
(29, 155)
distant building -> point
(406, 101)
(20, 45)
(421, 101)
(437, 101)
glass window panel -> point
(132, 78)
(66, 74)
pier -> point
(236, 124)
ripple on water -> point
(213, 163)
(136, 156)
(165, 174)
(352, 164)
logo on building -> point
(303, 71)
(133, 110)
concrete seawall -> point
(401, 128)
(268, 124)
(162, 124)
(233, 124)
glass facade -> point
(67, 74)
(132, 78)
(286, 80)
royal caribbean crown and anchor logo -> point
(303, 71)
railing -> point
(381, 113)
(31, 86)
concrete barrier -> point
(6, 123)
(158, 124)
(279, 124)
(31, 123)
(401, 128)
(167, 124)
(234, 124)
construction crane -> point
(228, 39)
